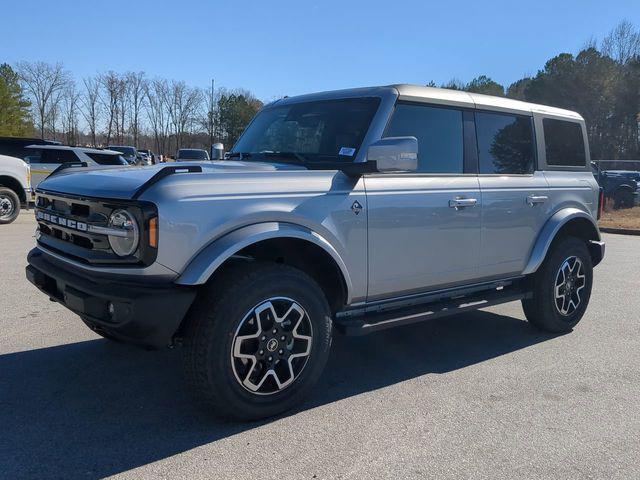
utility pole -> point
(211, 118)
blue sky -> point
(276, 48)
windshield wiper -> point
(288, 155)
(239, 155)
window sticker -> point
(347, 151)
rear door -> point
(49, 160)
(515, 197)
(424, 226)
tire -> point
(9, 205)
(222, 332)
(623, 199)
(558, 315)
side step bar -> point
(374, 321)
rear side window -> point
(505, 143)
(439, 134)
(106, 159)
(564, 143)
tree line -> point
(601, 82)
(119, 108)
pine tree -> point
(15, 120)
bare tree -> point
(623, 43)
(208, 118)
(91, 110)
(136, 86)
(44, 82)
(155, 106)
(110, 98)
(70, 100)
(182, 104)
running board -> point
(374, 321)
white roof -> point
(74, 149)
(477, 100)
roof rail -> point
(165, 172)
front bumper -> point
(139, 313)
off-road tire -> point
(13, 202)
(213, 323)
(542, 310)
(623, 199)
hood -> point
(123, 182)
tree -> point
(69, 109)
(486, 85)
(112, 90)
(15, 119)
(517, 90)
(182, 104)
(136, 84)
(44, 82)
(236, 109)
(90, 101)
(155, 105)
(623, 43)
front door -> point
(424, 226)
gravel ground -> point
(481, 395)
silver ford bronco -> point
(350, 211)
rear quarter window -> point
(564, 143)
(106, 159)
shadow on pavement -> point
(94, 408)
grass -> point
(627, 218)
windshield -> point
(188, 154)
(328, 130)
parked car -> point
(130, 154)
(192, 155)
(46, 158)
(623, 186)
(15, 187)
(17, 146)
(150, 155)
(358, 209)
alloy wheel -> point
(271, 346)
(570, 280)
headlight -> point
(125, 243)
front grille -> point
(69, 226)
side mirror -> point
(394, 154)
(217, 151)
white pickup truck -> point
(15, 187)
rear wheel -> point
(561, 287)
(257, 341)
(623, 199)
(9, 205)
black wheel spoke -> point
(271, 346)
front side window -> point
(564, 143)
(505, 143)
(330, 130)
(439, 134)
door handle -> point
(462, 202)
(533, 200)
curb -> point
(620, 231)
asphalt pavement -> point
(481, 395)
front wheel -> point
(257, 341)
(9, 205)
(561, 287)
